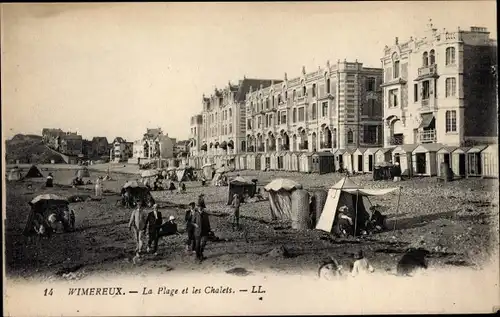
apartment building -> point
(337, 106)
(224, 116)
(440, 88)
(195, 135)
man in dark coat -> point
(235, 205)
(190, 244)
(153, 223)
(201, 232)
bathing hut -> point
(489, 161)
(280, 161)
(251, 161)
(444, 155)
(369, 159)
(295, 161)
(273, 164)
(474, 158)
(358, 160)
(323, 162)
(459, 161)
(424, 160)
(347, 160)
(242, 159)
(339, 158)
(287, 161)
(383, 155)
(305, 160)
(403, 155)
(265, 161)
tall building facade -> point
(195, 134)
(223, 118)
(440, 88)
(338, 106)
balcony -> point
(260, 148)
(427, 71)
(251, 149)
(428, 136)
(303, 146)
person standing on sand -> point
(153, 223)
(190, 244)
(235, 204)
(137, 224)
(201, 201)
(201, 232)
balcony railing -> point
(428, 136)
(396, 140)
(427, 70)
(303, 146)
(250, 149)
(284, 147)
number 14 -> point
(48, 292)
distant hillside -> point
(29, 149)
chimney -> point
(396, 40)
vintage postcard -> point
(249, 158)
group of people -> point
(331, 269)
(348, 224)
(197, 223)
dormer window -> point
(425, 59)
(395, 70)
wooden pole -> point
(397, 209)
(356, 214)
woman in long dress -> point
(98, 187)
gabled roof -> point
(407, 148)
(447, 149)
(361, 150)
(119, 140)
(71, 137)
(385, 150)
(428, 147)
(245, 84)
(477, 148)
(99, 139)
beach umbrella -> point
(208, 165)
(48, 197)
(84, 172)
(282, 184)
(133, 184)
(149, 173)
(222, 169)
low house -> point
(403, 154)
(424, 159)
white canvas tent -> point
(280, 197)
(14, 175)
(345, 192)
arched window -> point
(293, 94)
(328, 85)
(432, 57)
(314, 90)
(425, 59)
(395, 62)
(451, 87)
(304, 91)
(350, 137)
(450, 56)
(313, 115)
(230, 113)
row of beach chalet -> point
(414, 160)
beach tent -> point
(14, 175)
(347, 193)
(33, 172)
(41, 207)
(280, 197)
(207, 170)
(83, 172)
(241, 186)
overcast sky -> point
(116, 69)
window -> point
(370, 134)
(259, 120)
(314, 110)
(293, 94)
(450, 56)
(279, 99)
(294, 115)
(451, 87)
(425, 90)
(249, 124)
(451, 121)
(230, 113)
(314, 90)
(328, 85)
(301, 114)
(425, 59)
(272, 102)
(432, 57)
(286, 95)
(415, 92)
(230, 128)
(350, 137)
(267, 103)
(393, 98)
(283, 117)
(324, 110)
(370, 84)
(304, 91)
(396, 69)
